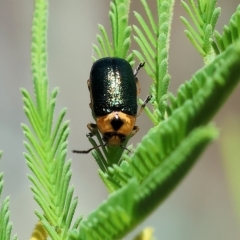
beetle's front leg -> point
(140, 65)
(136, 78)
(148, 98)
(92, 128)
(134, 131)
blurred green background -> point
(201, 208)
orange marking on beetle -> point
(104, 125)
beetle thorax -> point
(115, 127)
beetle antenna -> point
(140, 65)
(148, 98)
(90, 149)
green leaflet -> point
(231, 33)
(5, 224)
(204, 16)
(47, 141)
(129, 205)
(111, 217)
(213, 84)
(166, 154)
(138, 182)
(163, 179)
(121, 31)
(153, 40)
(195, 104)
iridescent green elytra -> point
(113, 87)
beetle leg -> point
(92, 128)
(140, 65)
(134, 131)
(148, 98)
(90, 149)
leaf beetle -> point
(113, 88)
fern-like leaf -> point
(153, 41)
(231, 33)
(144, 180)
(47, 142)
(196, 102)
(121, 31)
(204, 16)
(133, 202)
(5, 224)
(211, 85)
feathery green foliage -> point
(196, 102)
(121, 31)
(153, 41)
(231, 33)
(138, 182)
(143, 180)
(204, 16)
(129, 205)
(47, 142)
(5, 224)
(212, 84)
